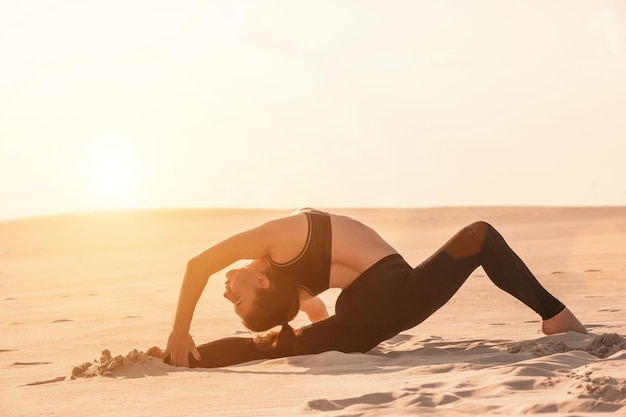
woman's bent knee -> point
(469, 241)
(480, 227)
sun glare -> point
(113, 177)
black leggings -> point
(391, 297)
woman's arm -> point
(280, 238)
(252, 244)
(314, 308)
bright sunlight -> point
(113, 178)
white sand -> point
(72, 286)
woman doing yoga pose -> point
(295, 258)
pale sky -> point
(284, 104)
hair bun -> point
(286, 341)
(286, 330)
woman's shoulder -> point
(286, 236)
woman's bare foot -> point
(563, 322)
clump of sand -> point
(604, 387)
(602, 346)
(606, 345)
(107, 364)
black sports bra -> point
(310, 270)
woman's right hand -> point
(179, 345)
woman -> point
(297, 257)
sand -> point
(83, 296)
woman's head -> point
(262, 301)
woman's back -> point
(355, 247)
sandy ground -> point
(72, 286)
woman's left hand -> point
(179, 345)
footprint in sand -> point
(323, 404)
(47, 381)
(30, 363)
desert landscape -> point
(75, 285)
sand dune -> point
(72, 286)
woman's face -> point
(242, 283)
